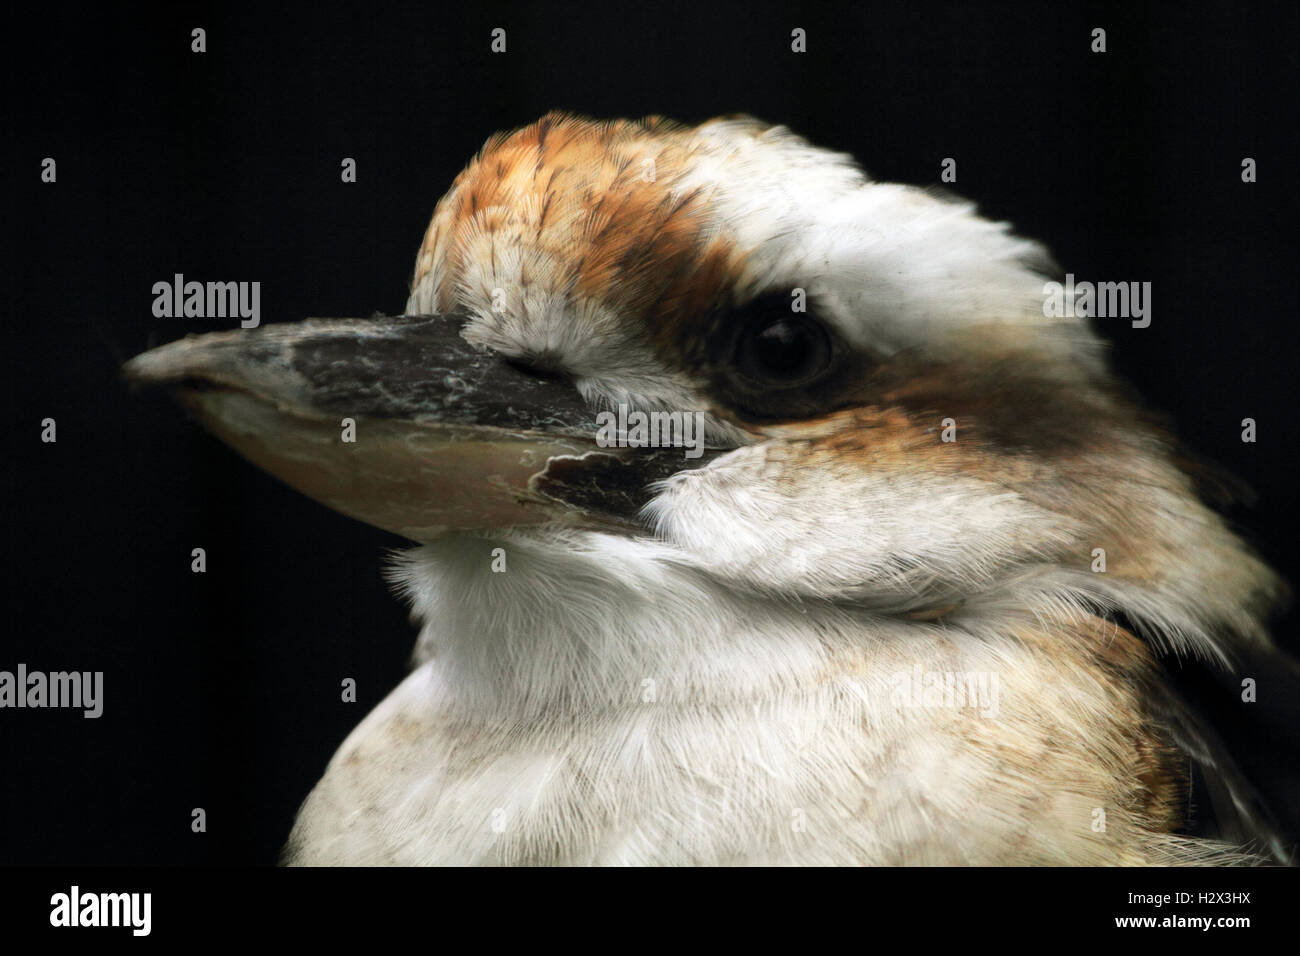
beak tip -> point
(187, 358)
(143, 370)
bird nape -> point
(903, 602)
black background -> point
(222, 689)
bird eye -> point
(783, 350)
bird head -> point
(888, 416)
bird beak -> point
(401, 423)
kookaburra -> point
(905, 607)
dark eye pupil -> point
(775, 346)
(783, 347)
